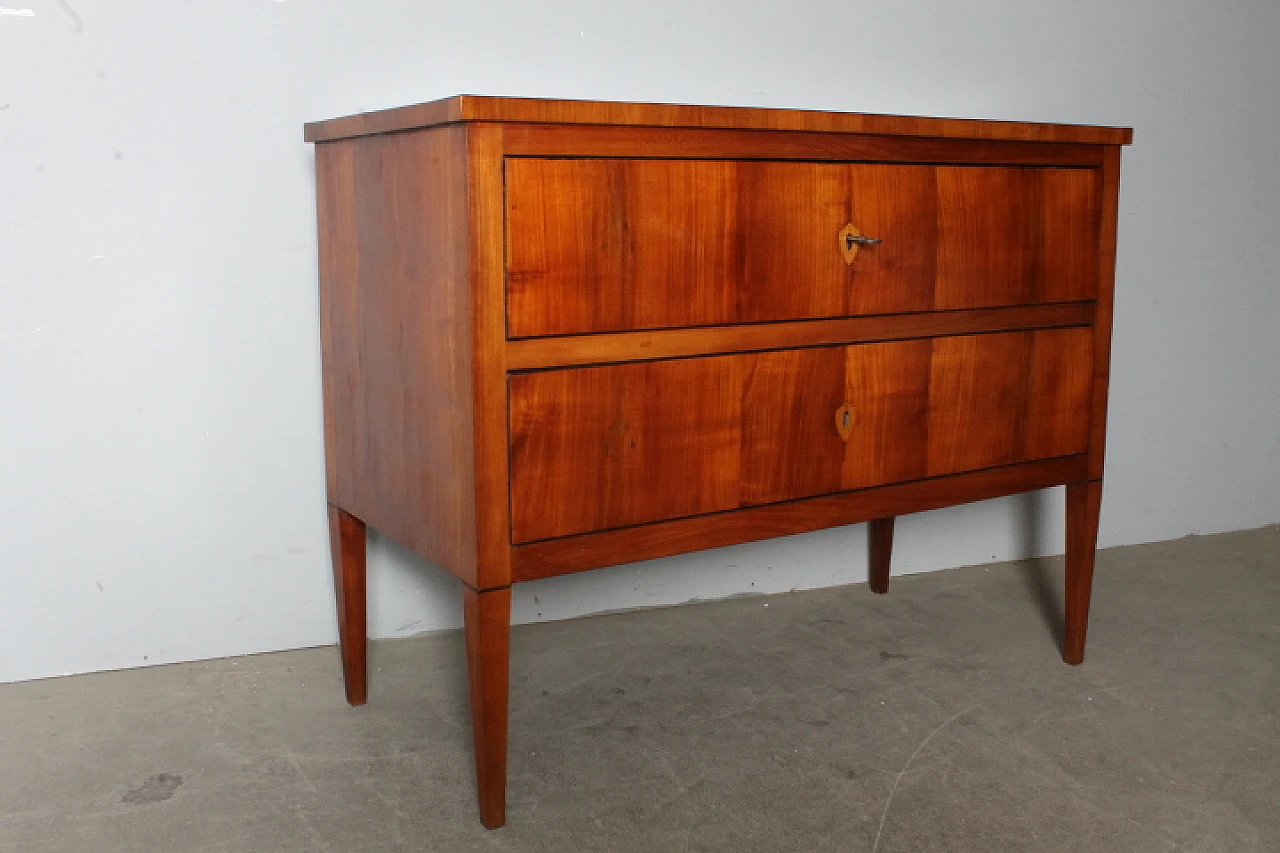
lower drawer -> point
(596, 448)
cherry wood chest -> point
(565, 335)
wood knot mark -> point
(155, 789)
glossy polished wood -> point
(347, 540)
(599, 245)
(479, 108)
(1015, 236)
(540, 140)
(576, 350)
(1110, 199)
(1084, 506)
(561, 335)
(484, 215)
(612, 446)
(487, 615)
(607, 245)
(879, 553)
(664, 538)
(395, 310)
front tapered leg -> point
(1084, 504)
(487, 615)
(879, 551)
(347, 540)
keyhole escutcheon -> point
(845, 418)
(851, 239)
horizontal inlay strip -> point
(665, 538)
(681, 143)
(576, 350)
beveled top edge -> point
(544, 111)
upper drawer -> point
(603, 245)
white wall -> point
(161, 482)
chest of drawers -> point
(565, 335)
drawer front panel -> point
(597, 448)
(599, 245)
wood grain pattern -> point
(987, 229)
(1060, 375)
(977, 402)
(395, 303)
(899, 205)
(531, 353)
(411, 117)
(1011, 236)
(888, 386)
(534, 140)
(488, 358)
(602, 245)
(1109, 201)
(339, 274)
(998, 399)
(612, 446)
(1067, 247)
(879, 553)
(348, 543)
(662, 539)
(785, 439)
(788, 444)
(487, 616)
(605, 447)
(1084, 506)
(482, 108)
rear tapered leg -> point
(1084, 504)
(347, 539)
(487, 615)
(879, 551)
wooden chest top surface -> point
(468, 108)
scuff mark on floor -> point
(156, 789)
(888, 802)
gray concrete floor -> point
(936, 718)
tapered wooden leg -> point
(488, 623)
(347, 540)
(1084, 503)
(879, 551)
